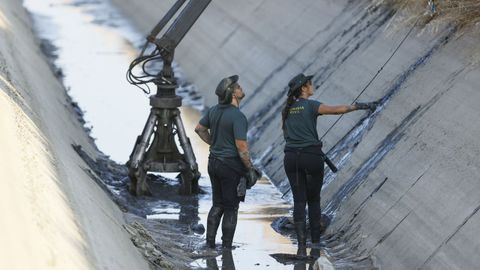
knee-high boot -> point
(315, 231)
(317, 228)
(301, 230)
(229, 225)
(315, 214)
(213, 221)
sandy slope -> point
(53, 215)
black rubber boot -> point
(229, 224)
(317, 225)
(317, 228)
(315, 252)
(315, 231)
(213, 221)
(301, 230)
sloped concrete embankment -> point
(407, 189)
(53, 215)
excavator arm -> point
(182, 24)
(168, 42)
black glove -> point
(366, 106)
(242, 187)
(253, 175)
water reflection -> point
(226, 261)
(302, 266)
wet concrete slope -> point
(407, 189)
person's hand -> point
(366, 106)
(253, 175)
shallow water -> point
(93, 59)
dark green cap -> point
(297, 82)
(224, 90)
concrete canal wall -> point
(407, 191)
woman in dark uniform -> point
(303, 162)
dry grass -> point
(461, 13)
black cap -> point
(297, 82)
(224, 87)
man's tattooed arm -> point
(245, 157)
(242, 148)
(203, 134)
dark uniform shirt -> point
(301, 124)
(233, 126)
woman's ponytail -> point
(288, 104)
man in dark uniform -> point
(224, 127)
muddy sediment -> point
(166, 244)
